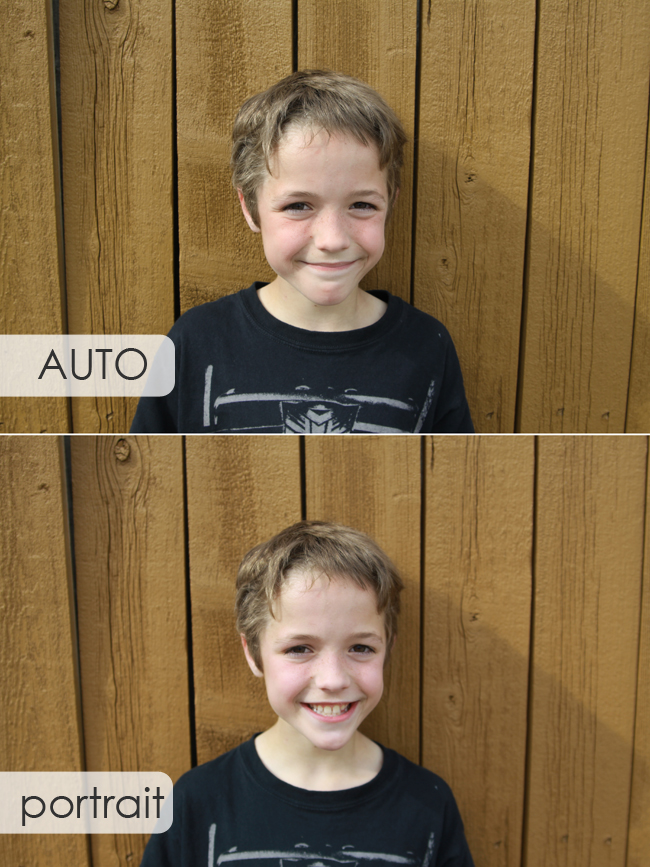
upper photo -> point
(299, 217)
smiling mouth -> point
(331, 265)
(330, 709)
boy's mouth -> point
(331, 266)
(330, 709)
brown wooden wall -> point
(521, 669)
(520, 224)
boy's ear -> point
(249, 659)
(249, 219)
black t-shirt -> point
(241, 370)
(233, 809)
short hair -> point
(318, 100)
(322, 548)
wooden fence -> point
(521, 669)
(520, 221)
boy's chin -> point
(323, 290)
(332, 741)
(329, 295)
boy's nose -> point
(331, 674)
(330, 233)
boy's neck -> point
(359, 310)
(293, 759)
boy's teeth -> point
(330, 709)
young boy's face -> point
(322, 214)
(323, 658)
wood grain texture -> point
(31, 274)
(40, 725)
(588, 558)
(241, 490)
(473, 162)
(130, 565)
(477, 591)
(639, 829)
(373, 485)
(590, 141)
(374, 40)
(638, 402)
(116, 110)
(226, 52)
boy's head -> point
(314, 101)
(313, 548)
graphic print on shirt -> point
(306, 412)
(303, 856)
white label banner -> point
(85, 803)
(86, 365)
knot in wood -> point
(122, 450)
(110, 4)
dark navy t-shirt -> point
(233, 809)
(241, 370)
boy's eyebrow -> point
(305, 194)
(361, 193)
(358, 636)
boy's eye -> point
(299, 650)
(364, 206)
(296, 206)
(362, 648)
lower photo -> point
(324, 651)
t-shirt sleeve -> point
(165, 850)
(453, 851)
(451, 413)
(162, 850)
(154, 415)
(160, 414)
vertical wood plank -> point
(31, 274)
(589, 545)
(639, 830)
(130, 564)
(116, 116)
(40, 726)
(590, 139)
(241, 490)
(374, 40)
(477, 590)
(473, 162)
(638, 404)
(226, 52)
(373, 485)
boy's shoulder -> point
(418, 781)
(202, 777)
(211, 311)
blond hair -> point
(316, 100)
(320, 548)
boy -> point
(316, 163)
(317, 610)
